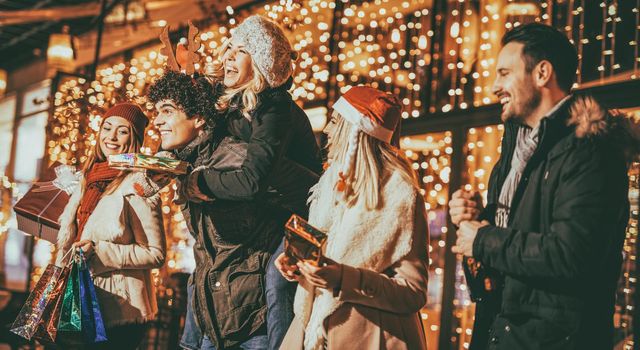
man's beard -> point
(528, 106)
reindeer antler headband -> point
(185, 58)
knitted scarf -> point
(97, 179)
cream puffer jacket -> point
(129, 238)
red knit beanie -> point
(133, 114)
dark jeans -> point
(280, 295)
(193, 339)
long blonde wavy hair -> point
(249, 90)
(373, 163)
(96, 155)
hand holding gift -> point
(140, 162)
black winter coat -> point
(561, 253)
(237, 232)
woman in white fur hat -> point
(238, 298)
(369, 292)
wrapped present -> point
(138, 161)
(37, 212)
(303, 241)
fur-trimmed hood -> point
(590, 119)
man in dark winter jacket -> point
(246, 178)
(557, 205)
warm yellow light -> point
(521, 9)
(3, 82)
(455, 30)
(60, 52)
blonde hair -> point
(373, 163)
(249, 90)
(96, 155)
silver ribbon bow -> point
(67, 179)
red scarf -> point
(97, 179)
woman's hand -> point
(326, 276)
(86, 246)
(288, 271)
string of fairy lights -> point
(625, 306)
(8, 193)
(393, 45)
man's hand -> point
(464, 206)
(466, 235)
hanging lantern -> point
(60, 54)
(3, 82)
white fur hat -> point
(269, 48)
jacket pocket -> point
(246, 296)
(245, 282)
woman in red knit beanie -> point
(120, 231)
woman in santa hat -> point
(373, 283)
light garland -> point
(627, 286)
(8, 195)
(430, 157)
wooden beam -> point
(34, 15)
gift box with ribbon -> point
(141, 162)
(37, 212)
(303, 242)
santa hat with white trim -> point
(374, 112)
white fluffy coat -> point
(128, 233)
(358, 237)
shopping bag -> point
(47, 329)
(42, 295)
(70, 313)
(92, 325)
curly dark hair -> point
(195, 96)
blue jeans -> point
(257, 342)
(280, 295)
(193, 339)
